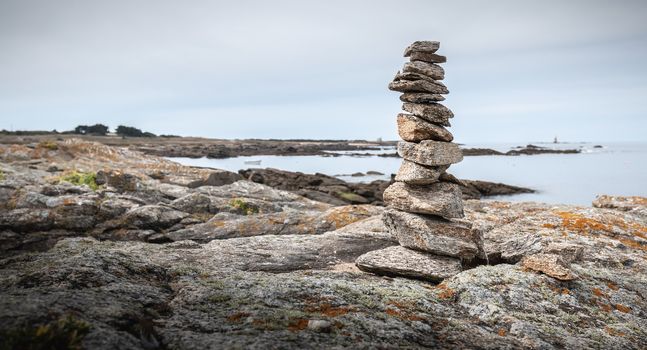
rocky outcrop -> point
(241, 291)
(319, 187)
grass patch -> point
(243, 206)
(2, 177)
(351, 197)
(80, 178)
(50, 145)
(64, 333)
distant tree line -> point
(95, 130)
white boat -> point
(253, 162)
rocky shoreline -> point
(331, 190)
(193, 147)
(104, 247)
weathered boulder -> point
(113, 207)
(431, 70)
(123, 182)
(432, 112)
(287, 222)
(551, 264)
(422, 46)
(633, 204)
(421, 97)
(430, 153)
(399, 261)
(433, 234)
(216, 178)
(440, 198)
(416, 174)
(28, 199)
(26, 219)
(414, 129)
(154, 217)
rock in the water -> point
(551, 264)
(433, 234)
(421, 97)
(422, 46)
(401, 261)
(416, 174)
(431, 70)
(427, 57)
(440, 198)
(418, 86)
(435, 112)
(414, 129)
(432, 153)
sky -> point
(517, 71)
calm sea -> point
(615, 169)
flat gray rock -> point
(433, 234)
(422, 46)
(421, 97)
(416, 174)
(414, 129)
(404, 262)
(440, 198)
(431, 70)
(427, 57)
(431, 153)
(418, 86)
(432, 112)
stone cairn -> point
(424, 205)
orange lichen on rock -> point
(612, 286)
(346, 215)
(298, 325)
(633, 244)
(502, 332)
(237, 317)
(622, 308)
(328, 310)
(599, 293)
(445, 292)
(581, 224)
(401, 311)
(613, 332)
(605, 307)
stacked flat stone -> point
(425, 207)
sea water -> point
(615, 169)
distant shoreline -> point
(198, 147)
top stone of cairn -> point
(422, 46)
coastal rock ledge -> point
(145, 261)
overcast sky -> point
(516, 70)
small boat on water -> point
(253, 162)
